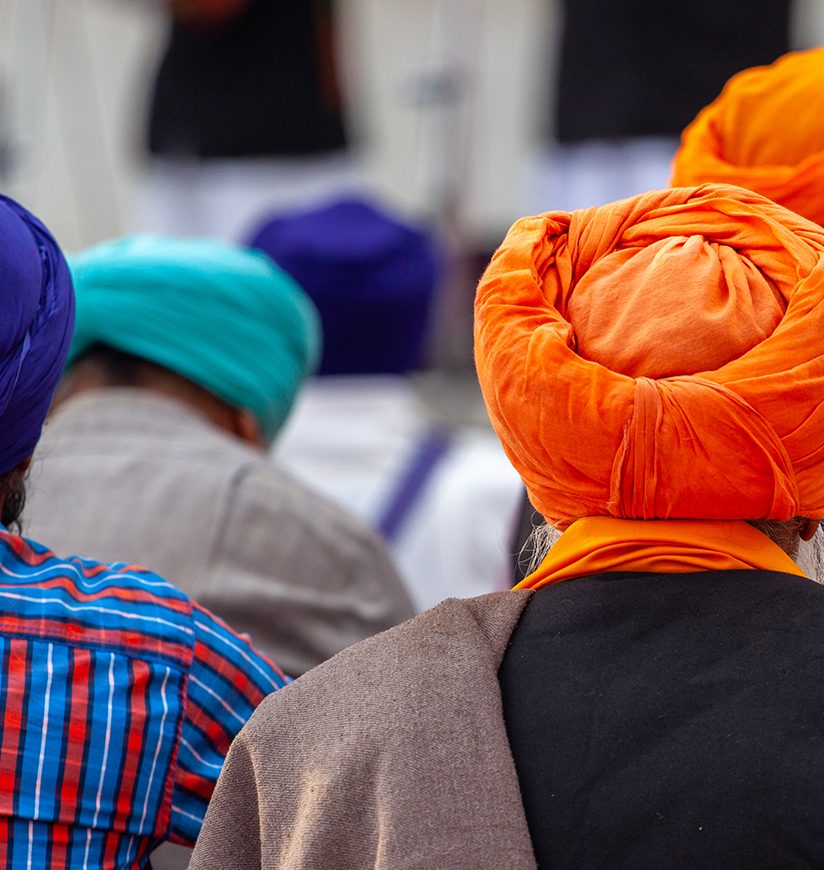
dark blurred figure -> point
(246, 108)
(631, 76)
(644, 68)
(247, 78)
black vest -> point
(662, 721)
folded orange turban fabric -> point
(764, 132)
(660, 357)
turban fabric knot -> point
(660, 357)
(224, 317)
(38, 316)
(764, 132)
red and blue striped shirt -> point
(120, 698)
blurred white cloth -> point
(595, 172)
(353, 439)
(225, 197)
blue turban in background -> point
(35, 328)
(222, 316)
(371, 276)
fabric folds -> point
(764, 132)
(222, 316)
(659, 358)
(38, 315)
(605, 545)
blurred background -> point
(440, 100)
(122, 115)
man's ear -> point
(247, 428)
(808, 529)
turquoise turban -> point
(223, 316)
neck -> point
(234, 421)
(596, 545)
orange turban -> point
(766, 133)
(660, 357)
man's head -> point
(764, 132)
(36, 327)
(660, 358)
(371, 276)
(212, 323)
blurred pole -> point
(450, 81)
(82, 123)
(453, 39)
(25, 98)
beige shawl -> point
(391, 755)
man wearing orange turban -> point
(764, 132)
(653, 368)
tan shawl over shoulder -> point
(391, 755)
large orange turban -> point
(660, 357)
(764, 132)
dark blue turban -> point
(37, 304)
(371, 276)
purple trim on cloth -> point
(428, 454)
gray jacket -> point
(130, 475)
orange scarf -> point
(597, 545)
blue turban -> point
(371, 276)
(35, 330)
(222, 316)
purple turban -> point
(37, 302)
(371, 275)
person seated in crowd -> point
(653, 369)
(442, 495)
(186, 357)
(764, 132)
(121, 695)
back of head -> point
(659, 357)
(38, 315)
(371, 276)
(223, 317)
(764, 132)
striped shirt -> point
(120, 698)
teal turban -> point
(225, 317)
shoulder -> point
(232, 658)
(22, 558)
(371, 758)
(86, 602)
(401, 672)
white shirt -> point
(354, 438)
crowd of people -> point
(284, 637)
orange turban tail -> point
(765, 132)
(660, 357)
